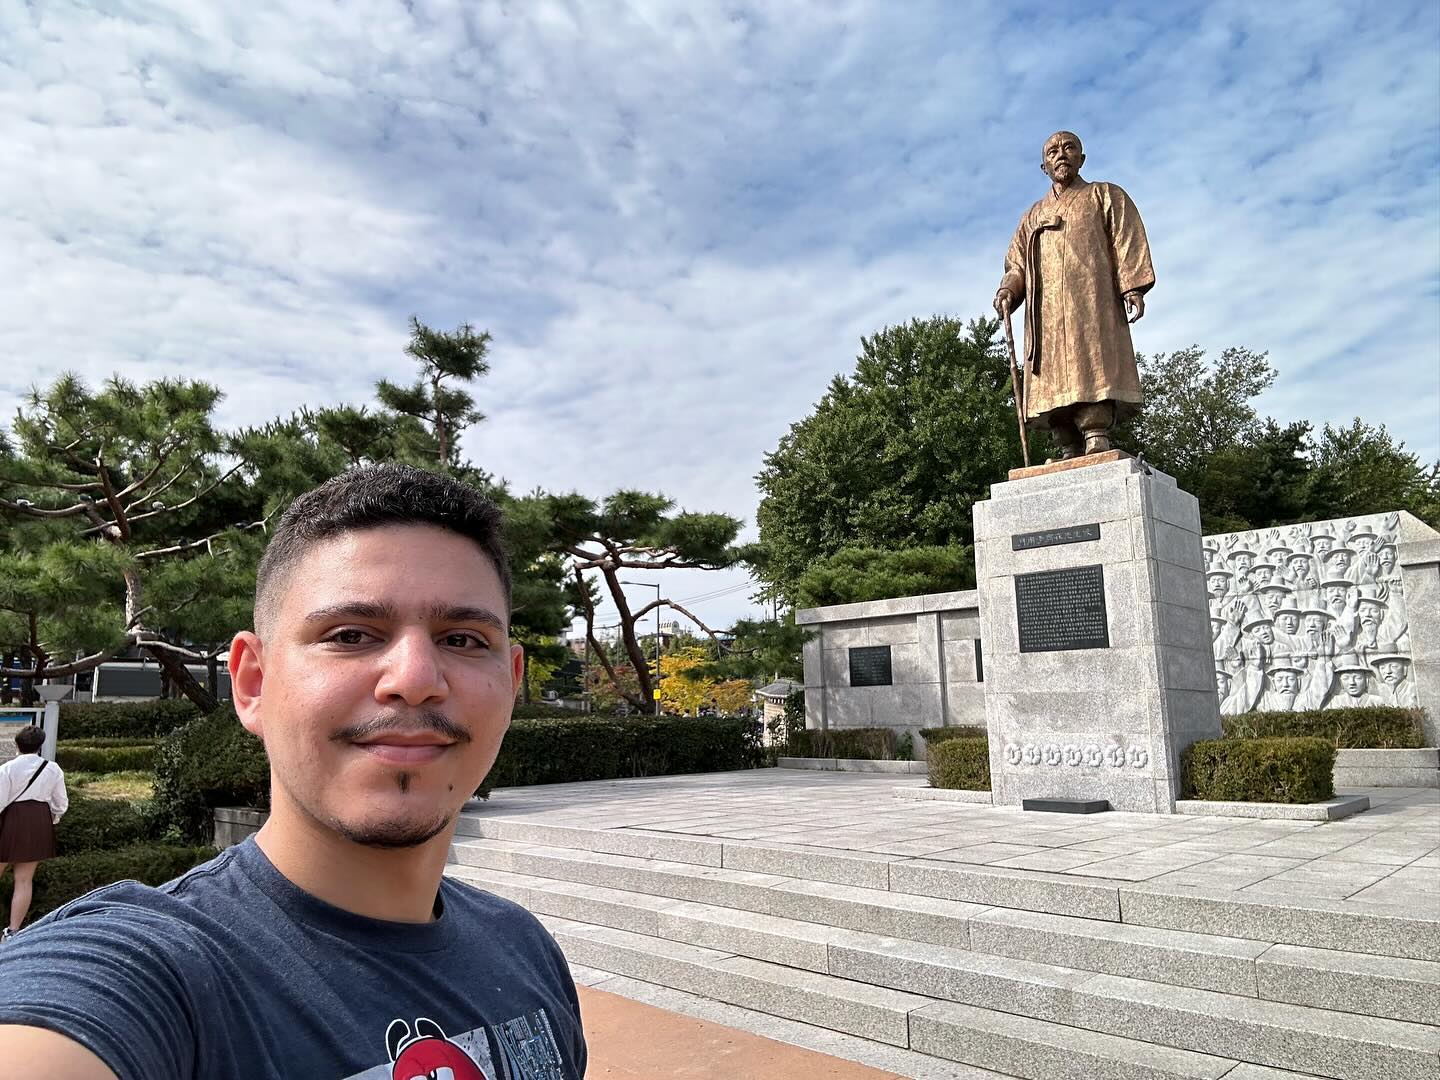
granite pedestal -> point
(1099, 669)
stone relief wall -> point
(1309, 616)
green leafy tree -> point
(758, 649)
(894, 455)
(1195, 410)
(628, 531)
(109, 505)
(436, 400)
(857, 574)
(1361, 469)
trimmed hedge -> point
(1292, 770)
(85, 720)
(62, 879)
(578, 747)
(873, 743)
(210, 761)
(961, 763)
(104, 824)
(74, 757)
(933, 735)
(1376, 727)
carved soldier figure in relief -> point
(1080, 264)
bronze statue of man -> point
(1080, 263)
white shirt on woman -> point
(48, 787)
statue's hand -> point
(1004, 302)
(1135, 306)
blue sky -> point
(678, 219)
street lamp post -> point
(655, 688)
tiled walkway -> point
(1389, 855)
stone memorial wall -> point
(1310, 616)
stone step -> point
(888, 1059)
(979, 1037)
(1277, 1034)
(1324, 978)
(1349, 926)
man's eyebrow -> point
(353, 609)
(459, 613)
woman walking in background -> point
(32, 795)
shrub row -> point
(874, 743)
(62, 879)
(105, 759)
(211, 761)
(104, 824)
(84, 720)
(933, 735)
(1375, 727)
(557, 751)
(1286, 770)
(960, 762)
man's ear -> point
(247, 676)
(517, 668)
(1082, 163)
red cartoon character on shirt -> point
(425, 1052)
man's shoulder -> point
(472, 904)
(172, 903)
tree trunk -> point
(180, 677)
(212, 676)
(638, 660)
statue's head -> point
(1061, 157)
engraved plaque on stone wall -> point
(1071, 534)
(1062, 609)
(870, 666)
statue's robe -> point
(1073, 257)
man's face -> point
(1243, 562)
(384, 683)
(1335, 596)
(1285, 682)
(1387, 559)
(1314, 625)
(1297, 564)
(1271, 599)
(1062, 158)
(1263, 632)
(1322, 544)
(1222, 684)
(1369, 614)
(1391, 672)
(1218, 584)
(1366, 544)
(1339, 560)
(1352, 682)
(1260, 575)
(1288, 621)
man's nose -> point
(411, 671)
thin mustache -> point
(421, 720)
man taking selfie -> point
(380, 677)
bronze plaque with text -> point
(1057, 610)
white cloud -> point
(678, 219)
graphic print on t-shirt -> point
(527, 1051)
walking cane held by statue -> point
(1015, 386)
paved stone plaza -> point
(1388, 856)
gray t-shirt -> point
(230, 972)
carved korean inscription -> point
(1071, 534)
(870, 666)
(1058, 610)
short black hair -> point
(29, 739)
(372, 497)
